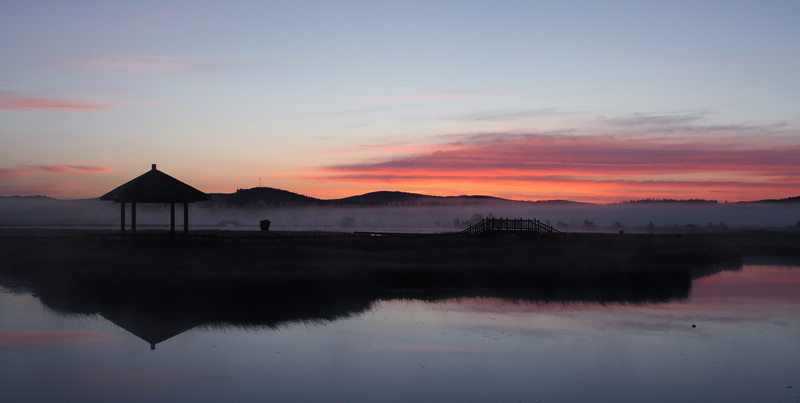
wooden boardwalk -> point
(489, 225)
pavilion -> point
(155, 186)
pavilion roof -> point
(155, 186)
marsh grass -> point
(558, 266)
(156, 290)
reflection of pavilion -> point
(152, 329)
(181, 308)
(158, 326)
(269, 306)
(156, 307)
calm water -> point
(745, 347)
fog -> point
(45, 212)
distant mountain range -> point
(271, 197)
(795, 199)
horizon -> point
(626, 201)
(596, 103)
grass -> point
(555, 266)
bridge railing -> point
(509, 225)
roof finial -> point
(154, 167)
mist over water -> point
(90, 213)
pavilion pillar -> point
(133, 218)
(186, 217)
(172, 217)
(122, 217)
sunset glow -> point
(523, 100)
(593, 168)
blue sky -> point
(222, 93)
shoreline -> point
(298, 277)
(447, 257)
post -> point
(186, 217)
(172, 217)
(133, 218)
(122, 217)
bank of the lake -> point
(600, 267)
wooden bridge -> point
(489, 225)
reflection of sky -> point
(745, 348)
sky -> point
(529, 100)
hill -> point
(263, 197)
(385, 198)
(795, 199)
(668, 201)
(388, 198)
(271, 197)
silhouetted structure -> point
(488, 225)
(154, 186)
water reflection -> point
(413, 344)
(156, 310)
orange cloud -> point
(590, 167)
(12, 101)
(23, 170)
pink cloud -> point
(161, 64)
(135, 64)
(610, 164)
(654, 184)
(23, 170)
(13, 101)
(418, 97)
(591, 155)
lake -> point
(735, 338)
